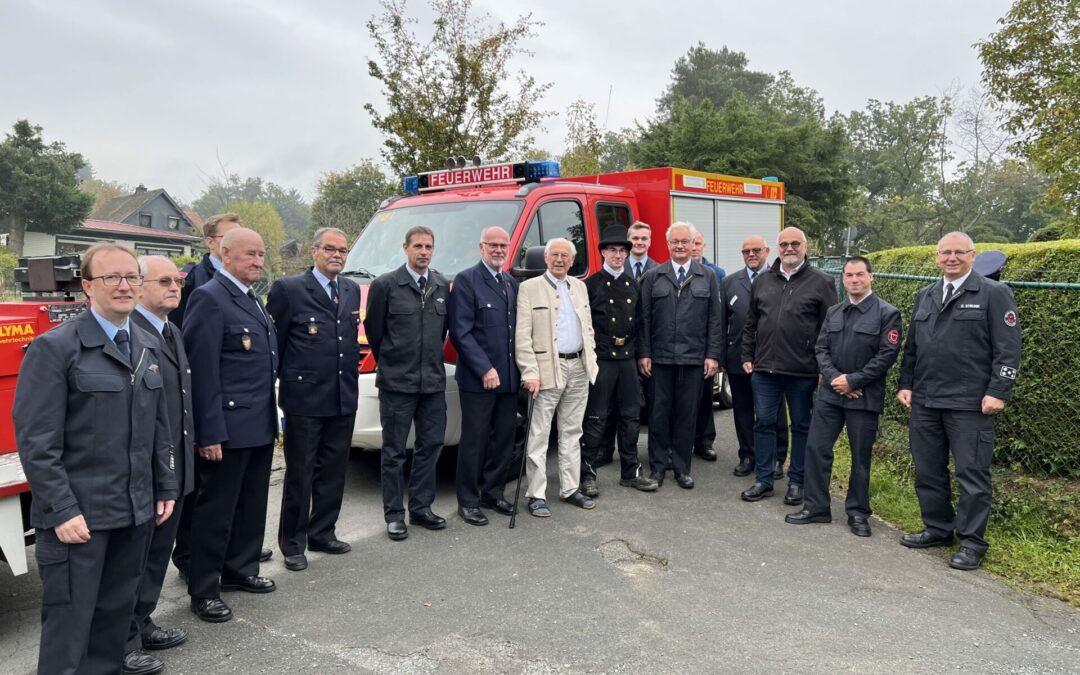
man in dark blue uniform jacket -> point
(483, 318)
(92, 430)
(232, 348)
(316, 315)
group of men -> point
(150, 420)
(152, 417)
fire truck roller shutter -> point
(699, 213)
(737, 220)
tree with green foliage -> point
(1032, 69)
(347, 199)
(583, 141)
(450, 96)
(38, 185)
(705, 74)
(264, 219)
(288, 202)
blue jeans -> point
(768, 391)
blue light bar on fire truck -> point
(490, 174)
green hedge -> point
(1039, 431)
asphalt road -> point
(675, 581)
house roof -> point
(197, 222)
(94, 226)
(118, 209)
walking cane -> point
(524, 457)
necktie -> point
(682, 276)
(170, 338)
(421, 282)
(502, 284)
(334, 291)
(637, 270)
(255, 299)
(123, 343)
(753, 275)
(948, 293)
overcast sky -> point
(155, 92)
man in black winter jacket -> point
(787, 308)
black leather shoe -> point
(707, 454)
(296, 563)
(745, 467)
(684, 480)
(333, 547)
(925, 540)
(589, 489)
(265, 555)
(794, 495)
(427, 520)
(640, 483)
(966, 559)
(397, 530)
(499, 506)
(164, 638)
(472, 515)
(859, 526)
(252, 584)
(803, 517)
(212, 610)
(778, 471)
(139, 662)
(658, 477)
(757, 491)
(579, 500)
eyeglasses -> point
(958, 252)
(793, 245)
(114, 279)
(331, 250)
(677, 242)
(752, 251)
(495, 246)
(165, 282)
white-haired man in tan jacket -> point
(557, 358)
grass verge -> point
(1034, 528)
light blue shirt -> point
(567, 324)
(323, 280)
(154, 321)
(225, 273)
(416, 275)
(214, 262)
(109, 327)
(494, 272)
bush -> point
(1038, 430)
(182, 260)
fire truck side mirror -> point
(534, 264)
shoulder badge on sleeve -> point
(893, 336)
(1010, 318)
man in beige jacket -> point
(556, 353)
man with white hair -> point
(556, 352)
(680, 345)
(960, 363)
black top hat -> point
(615, 235)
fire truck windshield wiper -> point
(358, 272)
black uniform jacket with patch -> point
(861, 341)
(614, 303)
(957, 353)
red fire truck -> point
(48, 285)
(534, 204)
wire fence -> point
(1038, 432)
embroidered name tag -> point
(970, 306)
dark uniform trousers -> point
(237, 488)
(742, 404)
(93, 584)
(316, 460)
(157, 564)
(825, 427)
(397, 410)
(487, 439)
(616, 387)
(181, 553)
(676, 392)
(970, 436)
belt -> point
(570, 356)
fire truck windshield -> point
(457, 227)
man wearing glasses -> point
(92, 429)
(483, 318)
(735, 298)
(317, 315)
(787, 308)
(960, 363)
(159, 295)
